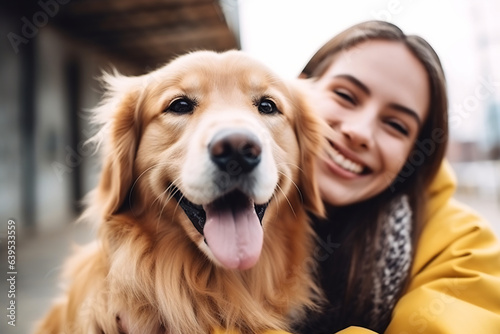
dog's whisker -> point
(165, 203)
(137, 180)
(158, 221)
(289, 164)
(177, 205)
(158, 197)
(294, 184)
(169, 197)
(276, 198)
(286, 197)
(179, 201)
(172, 194)
(172, 185)
(166, 191)
(141, 175)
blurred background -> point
(52, 51)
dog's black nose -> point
(235, 151)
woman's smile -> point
(350, 167)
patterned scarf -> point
(394, 255)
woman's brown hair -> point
(420, 168)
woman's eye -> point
(345, 95)
(181, 106)
(266, 106)
(399, 127)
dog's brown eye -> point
(181, 106)
(266, 106)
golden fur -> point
(149, 271)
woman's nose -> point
(357, 134)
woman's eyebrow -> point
(407, 111)
(354, 81)
(365, 89)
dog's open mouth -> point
(231, 226)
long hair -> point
(421, 165)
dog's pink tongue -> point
(234, 237)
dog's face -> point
(221, 137)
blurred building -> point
(52, 54)
(475, 114)
(475, 154)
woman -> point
(397, 254)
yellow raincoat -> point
(455, 279)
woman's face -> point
(375, 97)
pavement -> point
(40, 257)
(38, 263)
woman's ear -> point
(308, 131)
(118, 114)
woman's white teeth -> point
(345, 163)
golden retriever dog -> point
(201, 208)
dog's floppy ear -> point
(118, 115)
(308, 130)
